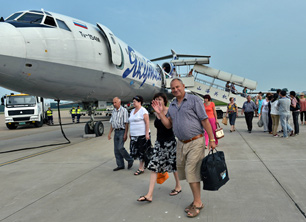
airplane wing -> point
(180, 55)
(183, 62)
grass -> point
(219, 103)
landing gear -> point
(92, 126)
(88, 128)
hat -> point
(302, 94)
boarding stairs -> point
(196, 85)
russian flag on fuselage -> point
(80, 25)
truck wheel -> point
(87, 129)
(99, 128)
(219, 114)
(39, 123)
(11, 126)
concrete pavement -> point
(76, 182)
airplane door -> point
(162, 75)
(115, 51)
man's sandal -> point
(193, 211)
(138, 172)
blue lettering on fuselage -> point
(141, 68)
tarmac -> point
(76, 182)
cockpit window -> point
(42, 12)
(31, 18)
(62, 25)
(12, 17)
(50, 21)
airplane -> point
(54, 56)
(59, 57)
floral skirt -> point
(164, 157)
(138, 147)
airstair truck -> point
(21, 109)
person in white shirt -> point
(139, 132)
(174, 74)
(275, 114)
(264, 113)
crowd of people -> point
(183, 130)
(274, 110)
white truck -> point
(21, 109)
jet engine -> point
(167, 67)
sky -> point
(260, 40)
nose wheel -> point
(94, 128)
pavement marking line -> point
(295, 203)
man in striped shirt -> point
(119, 123)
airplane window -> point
(50, 21)
(62, 25)
(31, 18)
(41, 12)
(12, 17)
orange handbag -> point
(162, 177)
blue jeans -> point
(119, 150)
(284, 123)
(232, 118)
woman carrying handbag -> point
(212, 117)
(232, 113)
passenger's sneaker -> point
(276, 135)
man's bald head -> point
(117, 102)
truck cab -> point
(21, 109)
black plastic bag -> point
(214, 172)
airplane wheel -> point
(11, 126)
(87, 129)
(99, 128)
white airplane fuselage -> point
(82, 63)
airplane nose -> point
(12, 51)
(11, 41)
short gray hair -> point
(178, 80)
